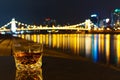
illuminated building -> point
(95, 19)
(49, 22)
(115, 18)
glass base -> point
(29, 74)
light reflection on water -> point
(104, 48)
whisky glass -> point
(28, 56)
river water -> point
(102, 48)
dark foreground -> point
(57, 66)
(66, 69)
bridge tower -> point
(13, 25)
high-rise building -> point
(95, 19)
(115, 17)
(50, 22)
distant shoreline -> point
(74, 32)
(78, 32)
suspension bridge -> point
(18, 27)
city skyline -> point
(35, 12)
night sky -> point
(63, 11)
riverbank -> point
(97, 31)
(59, 66)
(67, 69)
(104, 32)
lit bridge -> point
(15, 26)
